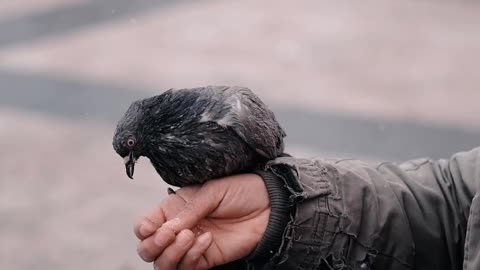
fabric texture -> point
(349, 214)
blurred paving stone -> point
(383, 59)
(320, 131)
(9, 8)
(371, 79)
(65, 200)
(63, 18)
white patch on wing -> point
(238, 105)
(225, 121)
(206, 117)
(235, 111)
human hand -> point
(207, 225)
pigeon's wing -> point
(240, 109)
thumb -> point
(197, 206)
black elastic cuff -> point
(279, 217)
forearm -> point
(388, 215)
(463, 171)
(320, 225)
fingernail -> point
(183, 238)
(205, 238)
(146, 228)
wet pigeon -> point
(193, 135)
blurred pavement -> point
(371, 79)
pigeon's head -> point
(128, 140)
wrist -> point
(278, 219)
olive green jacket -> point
(348, 214)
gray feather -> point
(193, 135)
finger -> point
(148, 224)
(194, 258)
(172, 255)
(150, 248)
(204, 202)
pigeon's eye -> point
(131, 142)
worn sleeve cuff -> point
(279, 217)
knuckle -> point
(156, 216)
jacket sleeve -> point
(349, 214)
(463, 171)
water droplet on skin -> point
(174, 222)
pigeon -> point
(197, 134)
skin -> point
(206, 225)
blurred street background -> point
(365, 79)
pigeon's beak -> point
(130, 164)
